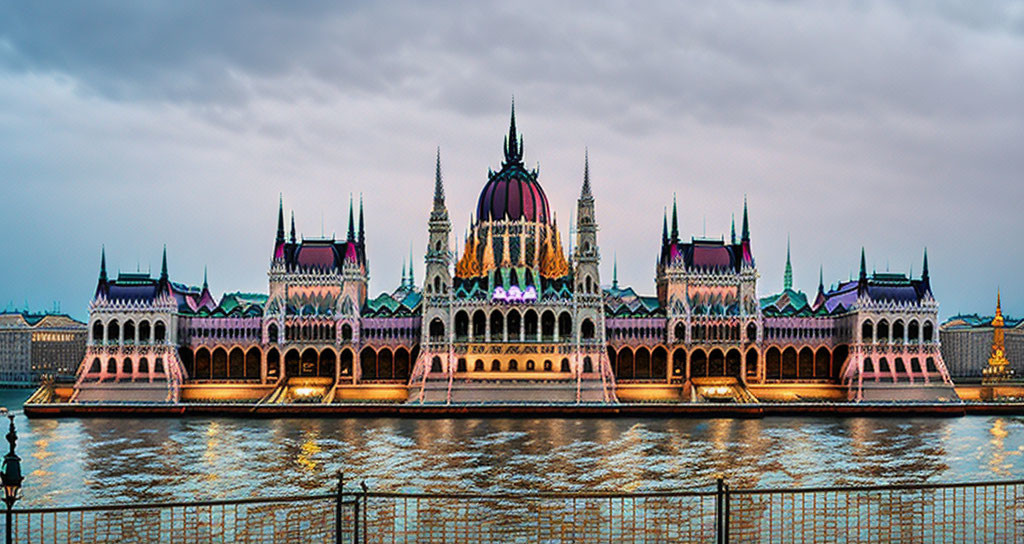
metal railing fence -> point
(924, 513)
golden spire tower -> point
(998, 369)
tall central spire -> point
(513, 142)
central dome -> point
(513, 192)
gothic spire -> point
(412, 280)
(438, 185)
(586, 174)
(821, 279)
(103, 263)
(924, 268)
(351, 222)
(999, 303)
(362, 226)
(675, 220)
(206, 285)
(163, 266)
(293, 228)
(664, 227)
(280, 220)
(732, 232)
(745, 236)
(513, 142)
(615, 272)
(863, 266)
(787, 279)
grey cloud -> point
(848, 124)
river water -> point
(91, 461)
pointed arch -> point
(805, 363)
(252, 363)
(679, 363)
(402, 364)
(822, 363)
(624, 364)
(461, 326)
(733, 363)
(497, 325)
(292, 363)
(698, 363)
(564, 326)
(368, 364)
(512, 324)
(659, 363)
(789, 363)
(327, 363)
(273, 363)
(530, 324)
(642, 364)
(752, 362)
(345, 362)
(204, 366)
(236, 363)
(773, 363)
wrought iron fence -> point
(325, 518)
(928, 513)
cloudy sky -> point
(138, 124)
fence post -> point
(338, 507)
(727, 499)
(365, 507)
(720, 510)
(355, 520)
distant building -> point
(967, 344)
(32, 345)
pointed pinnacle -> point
(615, 272)
(438, 184)
(664, 226)
(280, 218)
(745, 235)
(586, 173)
(103, 263)
(675, 220)
(163, 265)
(351, 221)
(362, 226)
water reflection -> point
(103, 460)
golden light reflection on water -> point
(998, 455)
(41, 451)
(308, 451)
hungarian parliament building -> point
(508, 315)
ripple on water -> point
(103, 460)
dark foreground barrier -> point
(927, 513)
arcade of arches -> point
(221, 363)
(779, 364)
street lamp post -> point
(10, 475)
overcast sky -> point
(137, 124)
